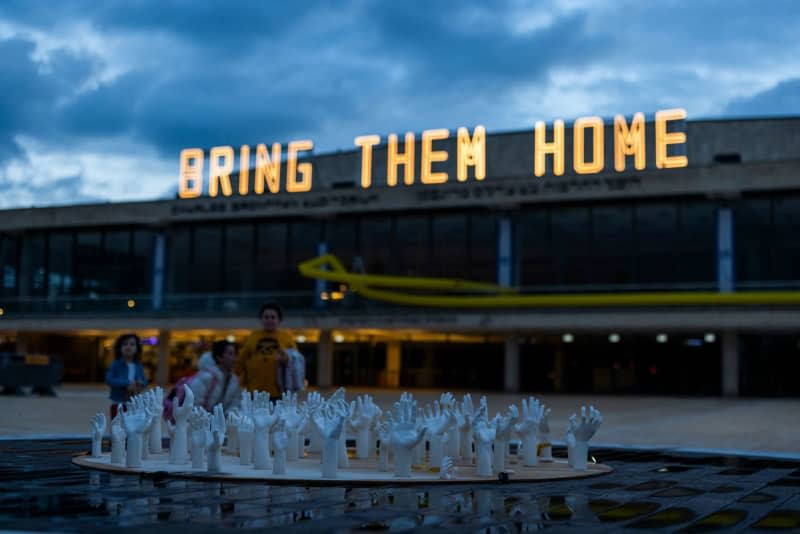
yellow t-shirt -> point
(257, 362)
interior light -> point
(661, 338)
(710, 337)
(567, 338)
(2, 312)
(324, 295)
(231, 339)
(338, 338)
(337, 295)
(300, 339)
(613, 338)
(131, 303)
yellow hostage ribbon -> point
(328, 267)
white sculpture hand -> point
(181, 412)
(404, 434)
(245, 430)
(265, 416)
(484, 435)
(544, 437)
(280, 441)
(528, 429)
(504, 423)
(579, 432)
(438, 420)
(217, 438)
(384, 435)
(135, 420)
(247, 403)
(117, 437)
(98, 427)
(198, 428)
(447, 470)
(465, 417)
(329, 423)
(155, 407)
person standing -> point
(263, 351)
(215, 383)
(125, 376)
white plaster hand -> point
(544, 437)
(198, 429)
(583, 429)
(156, 407)
(528, 429)
(465, 414)
(503, 425)
(447, 470)
(178, 447)
(217, 438)
(245, 431)
(484, 435)
(405, 434)
(280, 441)
(265, 416)
(438, 422)
(134, 421)
(329, 423)
(384, 435)
(117, 437)
(365, 414)
(98, 427)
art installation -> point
(449, 440)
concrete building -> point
(184, 271)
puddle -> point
(758, 497)
(628, 511)
(651, 485)
(779, 520)
(678, 491)
(673, 469)
(717, 520)
(665, 518)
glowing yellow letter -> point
(395, 159)
(663, 139)
(629, 142)
(366, 142)
(190, 184)
(598, 159)
(220, 173)
(556, 148)
(244, 170)
(430, 156)
(268, 169)
(292, 185)
(471, 152)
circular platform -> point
(360, 472)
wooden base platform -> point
(360, 473)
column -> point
(725, 280)
(162, 369)
(159, 260)
(511, 364)
(730, 363)
(393, 364)
(504, 252)
(325, 360)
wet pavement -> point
(41, 490)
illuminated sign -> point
(628, 141)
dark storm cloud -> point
(781, 100)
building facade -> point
(182, 272)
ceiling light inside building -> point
(131, 303)
(661, 338)
(300, 339)
(338, 338)
(231, 339)
(710, 337)
(567, 338)
(613, 338)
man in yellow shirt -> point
(257, 364)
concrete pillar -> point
(511, 365)
(393, 364)
(730, 363)
(325, 360)
(162, 369)
(505, 258)
(159, 261)
(725, 275)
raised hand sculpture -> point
(465, 419)
(384, 435)
(329, 422)
(117, 437)
(156, 407)
(447, 470)
(365, 414)
(178, 447)
(135, 421)
(313, 403)
(404, 435)
(484, 435)
(265, 416)
(546, 452)
(199, 421)
(280, 441)
(503, 425)
(528, 429)
(232, 419)
(295, 420)
(579, 432)
(438, 422)
(448, 402)
(245, 431)
(98, 427)
(216, 439)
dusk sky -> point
(98, 98)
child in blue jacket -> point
(125, 377)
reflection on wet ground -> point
(41, 490)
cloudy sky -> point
(98, 98)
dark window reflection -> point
(482, 264)
(90, 264)
(271, 259)
(9, 266)
(411, 245)
(60, 266)
(238, 263)
(206, 275)
(377, 240)
(450, 239)
(180, 259)
(612, 245)
(341, 237)
(304, 239)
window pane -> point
(206, 272)
(482, 247)
(341, 236)
(656, 240)
(786, 238)
(411, 245)
(612, 244)
(179, 265)
(697, 225)
(450, 253)
(376, 245)
(89, 264)
(304, 238)
(271, 255)
(538, 265)
(9, 251)
(570, 230)
(239, 265)
(60, 269)
(140, 279)
(752, 239)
